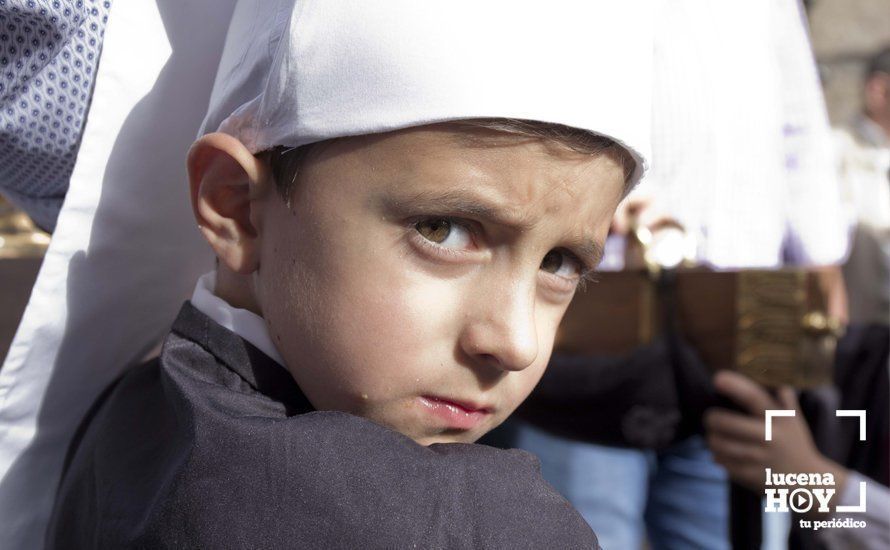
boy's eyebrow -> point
(466, 202)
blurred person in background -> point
(861, 369)
(864, 152)
(742, 160)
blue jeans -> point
(678, 496)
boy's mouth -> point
(461, 415)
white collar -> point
(244, 323)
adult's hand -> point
(738, 441)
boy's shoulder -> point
(191, 450)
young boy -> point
(395, 251)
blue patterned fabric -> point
(49, 55)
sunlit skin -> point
(416, 275)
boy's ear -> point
(225, 180)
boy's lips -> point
(458, 414)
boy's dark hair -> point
(285, 162)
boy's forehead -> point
(512, 180)
(477, 153)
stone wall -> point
(845, 33)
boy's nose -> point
(501, 330)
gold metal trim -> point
(778, 340)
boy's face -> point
(418, 277)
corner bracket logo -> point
(802, 492)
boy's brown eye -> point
(435, 230)
(560, 263)
(552, 261)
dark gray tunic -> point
(213, 445)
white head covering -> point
(296, 72)
(126, 254)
